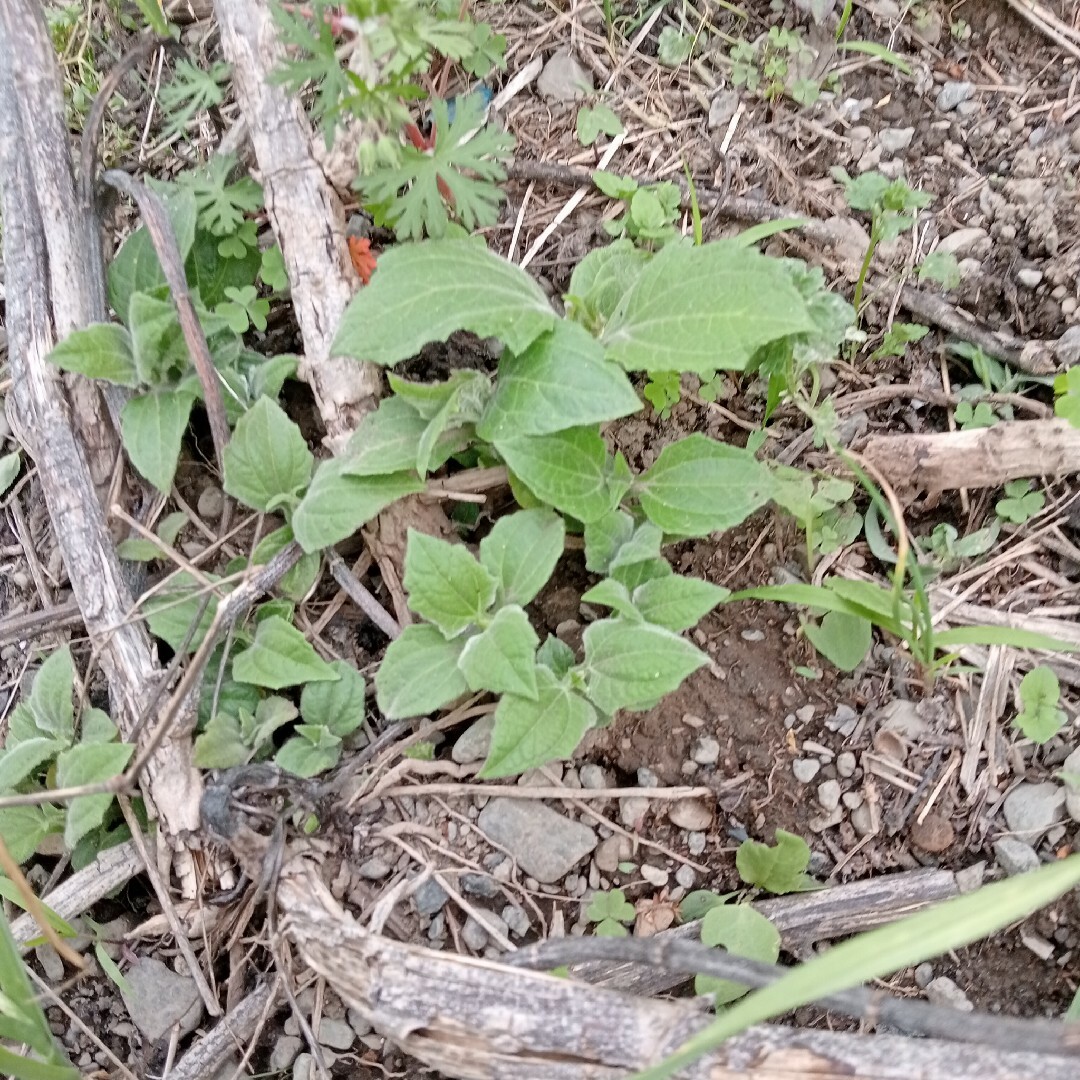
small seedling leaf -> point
(528, 734)
(521, 552)
(1040, 717)
(677, 603)
(153, 425)
(780, 869)
(338, 706)
(101, 351)
(841, 638)
(742, 931)
(635, 664)
(267, 462)
(445, 583)
(425, 292)
(419, 673)
(280, 656)
(502, 659)
(561, 381)
(698, 486)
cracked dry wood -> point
(306, 215)
(976, 458)
(479, 1020)
(48, 296)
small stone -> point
(722, 109)
(1067, 347)
(962, 242)
(1014, 856)
(685, 876)
(516, 919)
(211, 503)
(336, 1034)
(374, 869)
(545, 844)
(476, 934)
(609, 853)
(437, 930)
(632, 811)
(647, 778)
(828, 794)
(474, 742)
(654, 875)
(52, 967)
(1029, 277)
(695, 843)
(302, 1068)
(429, 897)
(160, 998)
(852, 799)
(820, 822)
(359, 1023)
(1030, 809)
(805, 769)
(480, 885)
(690, 814)
(593, 777)
(805, 713)
(845, 763)
(924, 975)
(953, 93)
(1074, 140)
(943, 991)
(563, 78)
(843, 720)
(706, 751)
(970, 878)
(863, 820)
(934, 834)
(893, 140)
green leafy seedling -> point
(1067, 401)
(979, 415)
(610, 910)
(1020, 503)
(842, 638)
(742, 931)
(1040, 717)
(780, 869)
(594, 121)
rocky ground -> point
(874, 771)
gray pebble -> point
(706, 750)
(633, 810)
(893, 140)
(1014, 856)
(429, 897)
(654, 875)
(828, 794)
(593, 777)
(476, 934)
(843, 720)
(845, 763)
(302, 1067)
(685, 876)
(695, 843)
(516, 919)
(647, 778)
(374, 869)
(1030, 809)
(953, 93)
(211, 503)
(805, 769)
(610, 852)
(336, 1034)
(690, 814)
(722, 108)
(1067, 347)
(473, 743)
(546, 844)
(359, 1023)
(564, 78)
(480, 885)
(437, 930)
(970, 878)
(943, 991)
(924, 975)
(1029, 277)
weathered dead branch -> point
(979, 457)
(305, 213)
(49, 294)
(479, 1020)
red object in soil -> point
(363, 259)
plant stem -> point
(875, 236)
